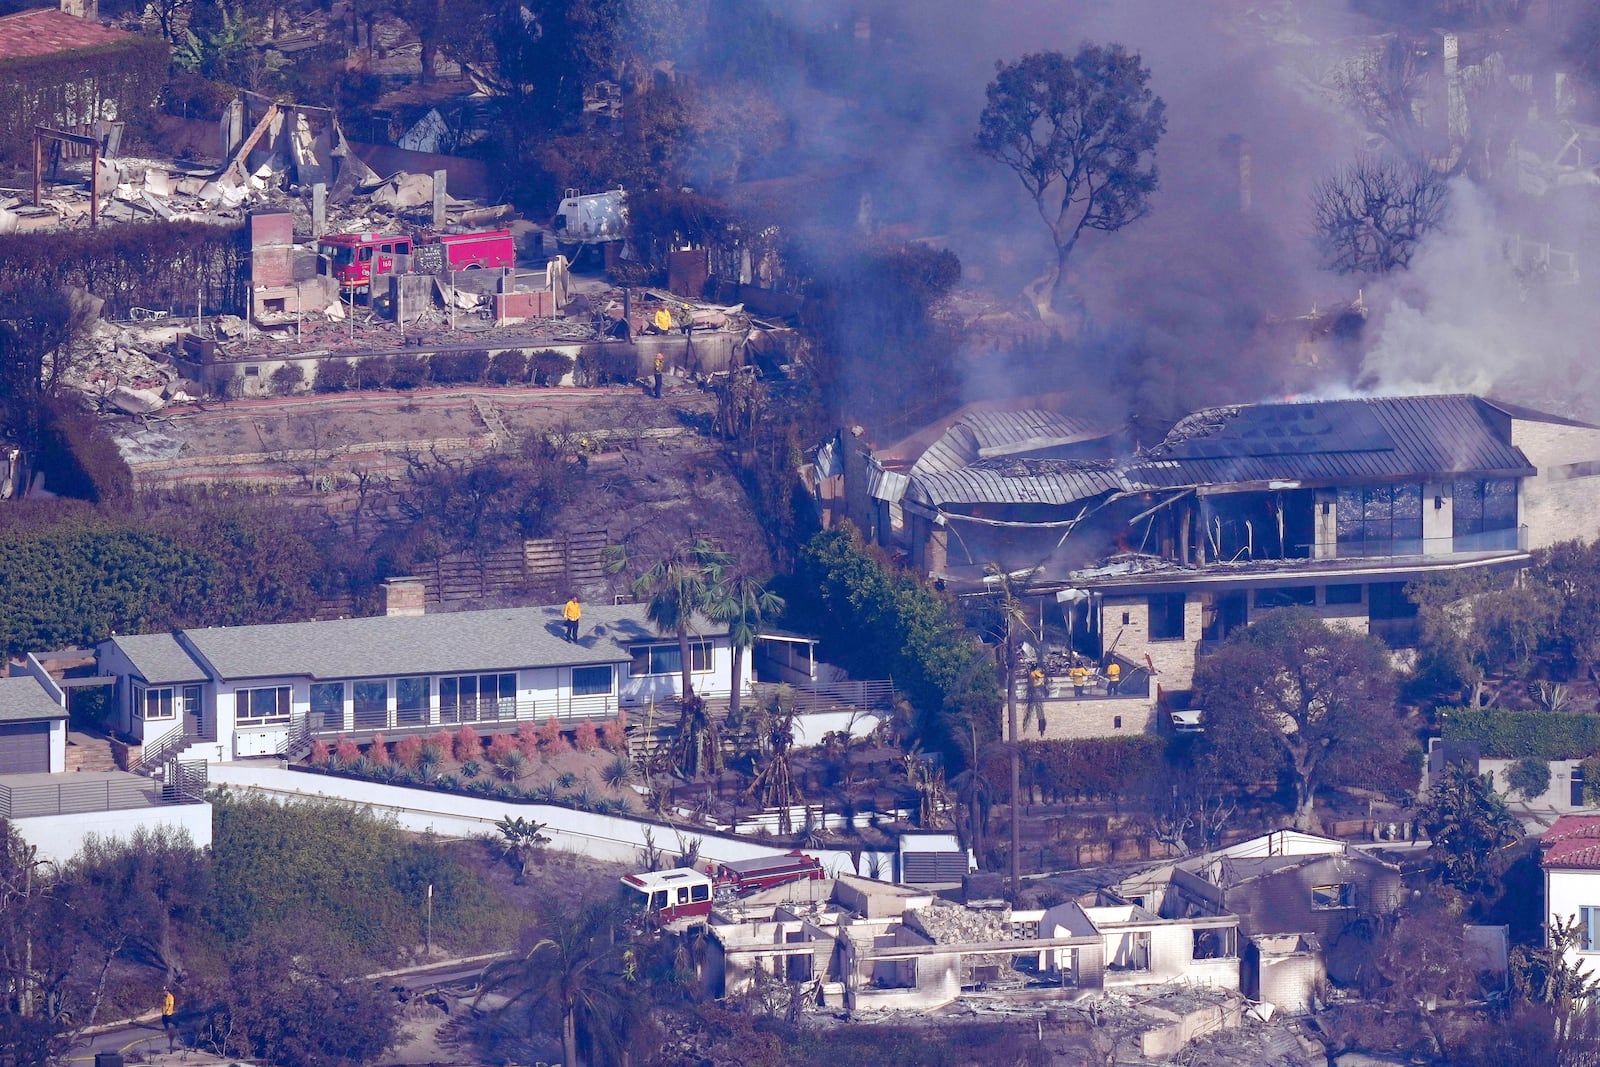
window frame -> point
(503, 706)
(141, 703)
(244, 697)
(589, 689)
(656, 656)
(1343, 892)
(1589, 928)
(1166, 615)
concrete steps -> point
(87, 753)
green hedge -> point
(123, 79)
(1544, 735)
(1099, 768)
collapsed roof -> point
(1043, 457)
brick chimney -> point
(403, 596)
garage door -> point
(24, 747)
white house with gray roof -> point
(33, 727)
(243, 691)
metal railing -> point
(186, 784)
(876, 693)
(152, 759)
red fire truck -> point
(682, 893)
(354, 257)
(746, 876)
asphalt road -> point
(144, 1035)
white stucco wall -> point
(58, 746)
(60, 837)
(604, 837)
(1565, 893)
(1562, 501)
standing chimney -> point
(403, 596)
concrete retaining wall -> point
(613, 838)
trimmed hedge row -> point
(1094, 768)
(1543, 735)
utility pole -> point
(1010, 660)
(429, 921)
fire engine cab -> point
(354, 258)
(683, 893)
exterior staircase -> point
(86, 752)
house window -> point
(1166, 617)
(471, 697)
(370, 703)
(1380, 519)
(411, 701)
(1589, 929)
(666, 659)
(1333, 897)
(1219, 943)
(266, 706)
(591, 681)
(1483, 505)
(1290, 596)
(155, 704)
(1343, 594)
(327, 703)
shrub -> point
(407, 370)
(467, 745)
(549, 367)
(550, 739)
(408, 752)
(471, 768)
(1542, 735)
(378, 751)
(607, 366)
(373, 372)
(347, 752)
(510, 365)
(499, 746)
(1530, 777)
(288, 379)
(432, 754)
(614, 734)
(443, 743)
(587, 738)
(320, 753)
(333, 376)
(528, 739)
(464, 366)
(618, 773)
(1096, 767)
(513, 766)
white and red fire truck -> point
(354, 258)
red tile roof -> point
(1573, 843)
(45, 31)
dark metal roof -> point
(1334, 440)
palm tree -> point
(576, 965)
(745, 604)
(680, 587)
(676, 590)
(774, 786)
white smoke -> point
(1466, 318)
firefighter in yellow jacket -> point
(571, 614)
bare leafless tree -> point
(1371, 217)
(1382, 87)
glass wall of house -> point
(1380, 520)
(1484, 514)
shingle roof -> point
(44, 31)
(23, 699)
(159, 659)
(1572, 843)
(463, 641)
(1372, 438)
